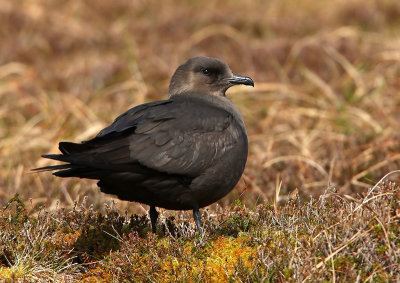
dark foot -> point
(197, 219)
(153, 218)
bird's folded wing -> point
(174, 137)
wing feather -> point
(180, 136)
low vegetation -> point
(336, 237)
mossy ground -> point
(333, 238)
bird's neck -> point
(220, 101)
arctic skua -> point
(183, 153)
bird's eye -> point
(206, 72)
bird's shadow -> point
(103, 234)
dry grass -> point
(324, 113)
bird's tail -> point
(72, 168)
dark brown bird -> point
(182, 153)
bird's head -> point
(205, 75)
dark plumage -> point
(182, 153)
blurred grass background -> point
(325, 110)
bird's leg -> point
(197, 219)
(153, 218)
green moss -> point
(381, 249)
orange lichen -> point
(66, 240)
(217, 263)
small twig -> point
(366, 200)
(278, 186)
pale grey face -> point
(205, 75)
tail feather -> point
(81, 172)
(52, 167)
(59, 157)
(73, 159)
(70, 147)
